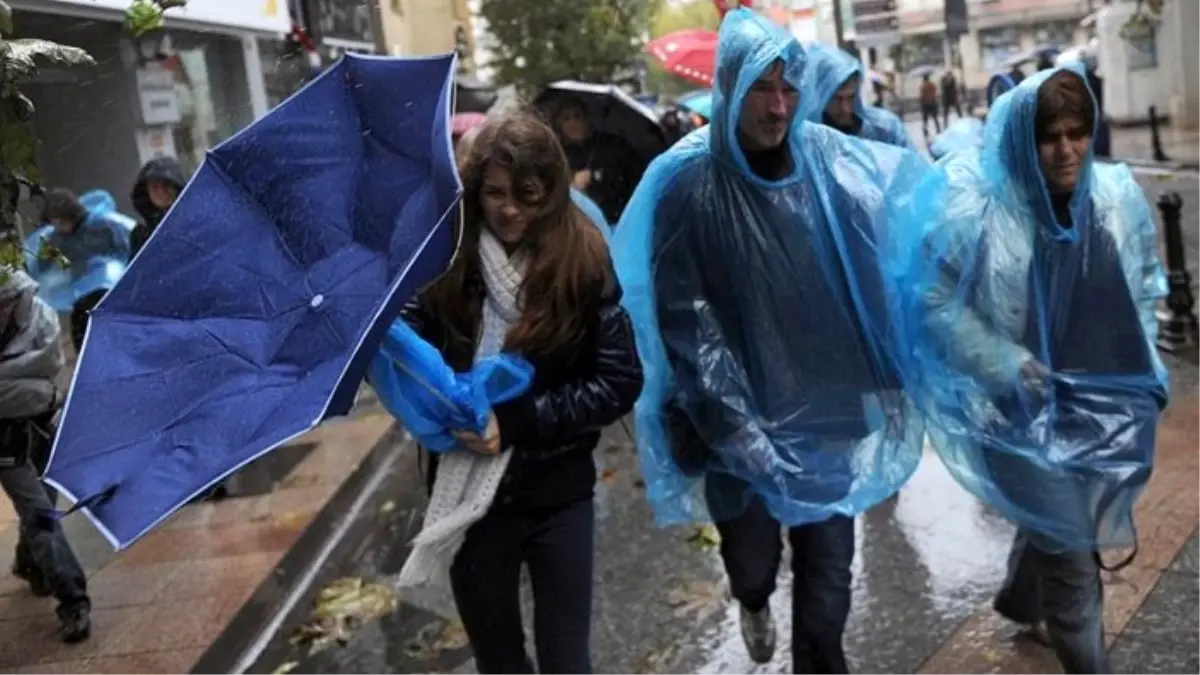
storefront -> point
(98, 125)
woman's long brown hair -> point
(569, 266)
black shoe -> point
(37, 583)
(76, 623)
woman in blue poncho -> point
(1032, 292)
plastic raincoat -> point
(760, 312)
(826, 70)
(31, 355)
(1006, 276)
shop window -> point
(998, 45)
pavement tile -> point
(168, 626)
(35, 640)
(178, 661)
(1170, 615)
(212, 577)
(201, 542)
(126, 585)
(1188, 560)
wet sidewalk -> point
(927, 566)
(1134, 145)
(160, 604)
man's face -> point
(573, 124)
(1062, 147)
(767, 111)
(162, 194)
(64, 227)
(840, 108)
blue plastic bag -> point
(825, 71)
(996, 279)
(417, 387)
(761, 315)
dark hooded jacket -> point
(166, 169)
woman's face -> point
(509, 208)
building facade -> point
(98, 125)
(998, 30)
(426, 27)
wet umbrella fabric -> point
(610, 109)
(252, 313)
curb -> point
(247, 634)
(1143, 163)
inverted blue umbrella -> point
(253, 312)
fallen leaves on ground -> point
(341, 607)
(695, 598)
(286, 667)
(705, 538)
(437, 638)
(387, 507)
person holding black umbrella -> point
(603, 165)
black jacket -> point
(616, 169)
(554, 427)
(165, 169)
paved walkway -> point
(158, 605)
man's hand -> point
(1034, 376)
(582, 179)
(487, 443)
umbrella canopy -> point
(699, 102)
(461, 123)
(922, 71)
(471, 95)
(252, 313)
(690, 54)
(610, 109)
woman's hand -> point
(582, 179)
(486, 444)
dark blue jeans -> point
(751, 548)
(557, 544)
(1065, 591)
(42, 548)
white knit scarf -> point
(466, 482)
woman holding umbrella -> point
(532, 278)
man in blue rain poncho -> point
(748, 255)
(1031, 324)
(832, 87)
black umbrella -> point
(612, 110)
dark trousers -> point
(557, 544)
(751, 548)
(929, 111)
(1065, 591)
(947, 106)
(42, 549)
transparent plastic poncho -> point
(825, 71)
(760, 314)
(963, 133)
(1031, 333)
